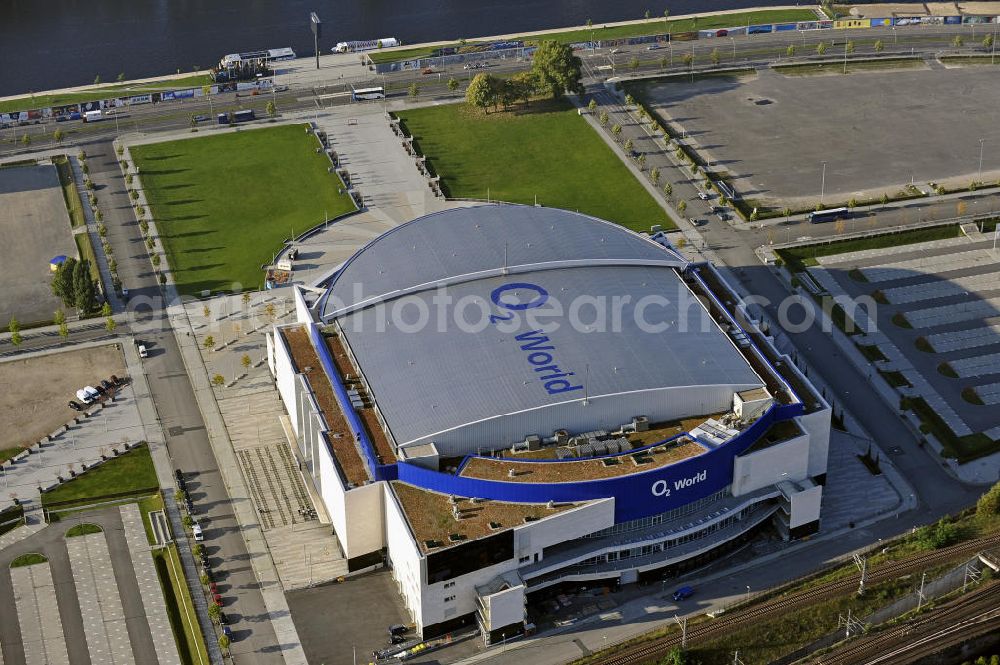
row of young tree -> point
(73, 284)
(554, 70)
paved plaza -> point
(302, 546)
(80, 443)
(772, 131)
(35, 227)
(35, 597)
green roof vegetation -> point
(29, 559)
(225, 204)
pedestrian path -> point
(38, 614)
(929, 264)
(149, 586)
(913, 248)
(990, 393)
(100, 604)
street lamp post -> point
(748, 593)
(733, 40)
(822, 185)
(979, 178)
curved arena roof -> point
(501, 376)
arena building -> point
(500, 401)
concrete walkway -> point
(38, 613)
(149, 586)
(100, 604)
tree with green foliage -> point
(616, 130)
(714, 56)
(58, 136)
(592, 105)
(879, 46)
(209, 342)
(84, 296)
(62, 282)
(988, 41)
(413, 91)
(60, 320)
(214, 612)
(556, 68)
(97, 80)
(821, 48)
(224, 642)
(668, 190)
(603, 118)
(481, 91)
(885, 198)
(688, 59)
(271, 109)
(633, 64)
(629, 145)
(989, 503)
(245, 361)
(849, 46)
(15, 331)
(654, 175)
(958, 42)
(218, 380)
(524, 86)
(676, 656)
(682, 206)
(790, 51)
(452, 84)
(26, 140)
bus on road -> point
(829, 215)
(362, 94)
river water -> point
(46, 44)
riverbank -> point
(653, 25)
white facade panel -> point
(787, 461)
(365, 520)
(805, 506)
(332, 491)
(506, 607)
(302, 313)
(404, 554)
(817, 425)
(284, 374)
(533, 537)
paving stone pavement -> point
(149, 586)
(100, 603)
(38, 615)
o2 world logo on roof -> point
(538, 347)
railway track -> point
(785, 604)
(965, 617)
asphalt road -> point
(181, 420)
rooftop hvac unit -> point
(600, 447)
(534, 442)
(641, 423)
(561, 436)
(511, 473)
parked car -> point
(227, 631)
(397, 629)
(87, 394)
(683, 593)
(141, 348)
(654, 47)
(76, 406)
(107, 385)
(615, 51)
(397, 639)
(703, 196)
(199, 118)
(223, 619)
(198, 534)
(427, 70)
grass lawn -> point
(654, 26)
(180, 609)
(29, 559)
(127, 473)
(852, 67)
(224, 204)
(70, 195)
(83, 530)
(962, 448)
(799, 258)
(547, 151)
(147, 505)
(7, 453)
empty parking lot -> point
(875, 130)
(35, 227)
